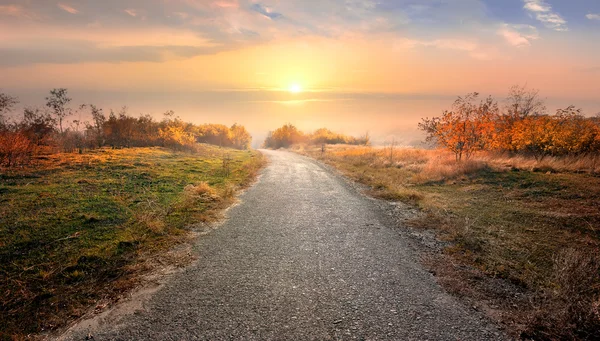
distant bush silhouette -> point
(289, 135)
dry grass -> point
(507, 218)
(571, 308)
(577, 164)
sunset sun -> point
(295, 88)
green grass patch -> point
(73, 227)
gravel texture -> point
(303, 257)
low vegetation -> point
(76, 228)
(48, 130)
(525, 222)
(289, 135)
(522, 127)
(85, 204)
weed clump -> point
(570, 308)
(201, 191)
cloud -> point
(226, 4)
(474, 49)
(84, 52)
(16, 12)
(266, 11)
(593, 16)
(518, 35)
(131, 12)
(537, 6)
(236, 24)
(543, 12)
(67, 8)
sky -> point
(349, 65)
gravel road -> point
(303, 257)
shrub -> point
(15, 149)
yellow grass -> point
(504, 216)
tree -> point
(58, 102)
(37, 125)
(7, 103)
(284, 137)
(216, 134)
(96, 128)
(240, 138)
(467, 128)
(520, 103)
(534, 135)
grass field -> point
(74, 228)
(526, 222)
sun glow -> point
(295, 88)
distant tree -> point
(58, 102)
(7, 103)
(96, 128)
(575, 134)
(284, 137)
(240, 138)
(37, 125)
(365, 139)
(466, 128)
(534, 135)
(216, 134)
(522, 102)
(519, 104)
(175, 134)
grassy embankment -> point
(536, 224)
(78, 228)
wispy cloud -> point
(266, 11)
(593, 16)
(16, 11)
(543, 12)
(471, 47)
(131, 12)
(81, 52)
(518, 35)
(67, 8)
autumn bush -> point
(522, 127)
(15, 149)
(289, 135)
(48, 129)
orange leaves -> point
(288, 135)
(471, 126)
(15, 149)
(284, 137)
(467, 128)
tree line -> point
(521, 126)
(288, 135)
(49, 129)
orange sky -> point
(362, 64)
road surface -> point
(303, 257)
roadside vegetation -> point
(85, 212)
(289, 135)
(57, 127)
(512, 194)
